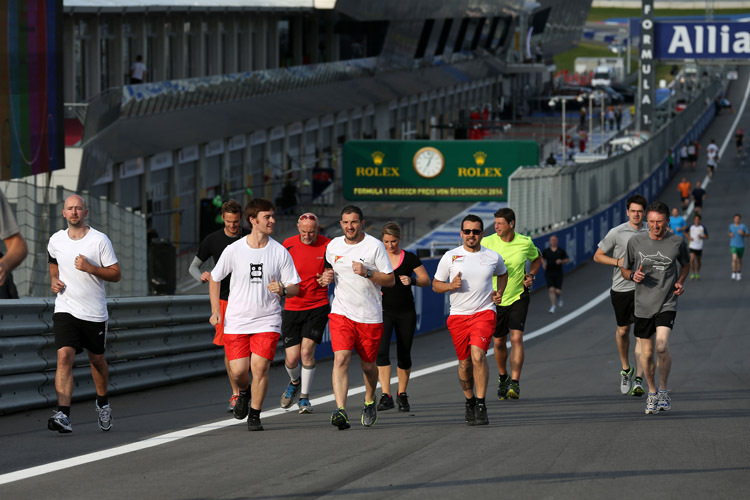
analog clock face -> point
(429, 162)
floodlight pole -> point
(564, 138)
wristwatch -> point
(368, 275)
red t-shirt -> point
(309, 260)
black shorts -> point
(624, 306)
(698, 253)
(309, 324)
(692, 157)
(646, 327)
(554, 279)
(79, 334)
(512, 317)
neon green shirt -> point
(515, 253)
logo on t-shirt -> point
(457, 258)
(256, 272)
(657, 261)
(337, 257)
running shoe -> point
(692, 276)
(734, 276)
(232, 403)
(370, 414)
(240, 408)
(739, 276)
(386, 402)
(551, 310)
(105, 417)
(665, 402)
(59, 422)
(290, 395)
(340, 419)
(514, 390)
(559, 302)
(253, 422)
(470, 413)
(637, 389)
(403, 402)
(502, 388)
(651, 403)
(480, 414)
(304, 405)
(697, 276)
(626, 380)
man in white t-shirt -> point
(81, 259)
(467, 273)
(696, 234)
(262, 273)
(360, 267)
(138, 71)
(712, 157)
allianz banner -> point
(702, 40)
(433, 170)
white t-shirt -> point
(696, 242)
(355, 296)
(477, 270)
(251, 307)
(712, 150)
(83, 296)
(137, 70)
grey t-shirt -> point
(659, 259)
(8, 225)
(615, 245)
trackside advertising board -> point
(702, 40)
(433, 170)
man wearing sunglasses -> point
(304, 317)
(467, 273)
(515, 249)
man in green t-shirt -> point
(515, 250)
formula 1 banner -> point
(433, 170)
(702, 40)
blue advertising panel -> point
(702, 40)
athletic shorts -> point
(348, 335)
(219, 337)
(692, 157)
(624, 305)
(554, 279)
(646, 327)
(237, 346)
(698, 253)
(512, 317)
(684, 198)
(740, 251)
(79, 334)
(309, 324)
(471, 329)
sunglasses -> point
(307, 217)
(475, 232)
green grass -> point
(604, 13)
(566, 60)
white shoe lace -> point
(104, 413)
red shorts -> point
(471, 329)
(263, 344)
(348, 335)
(219, 337)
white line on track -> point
(194, 431)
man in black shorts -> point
(304, 318)
(610, 253)
(213, 245)
(81, 259)
(651, 262)
(553, 260)
(698, 194)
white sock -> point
(308, 372)
(293, 372)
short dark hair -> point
(506, 213)
(698, 216)
(637, 199)
(351, 209)
(473, 218)
(257, 205)
(658, 207)
(231, 207)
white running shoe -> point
(739, 276)
(551, 310)
(734, 276)
(105, 417)
(559, 302)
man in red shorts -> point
(212, 246)
(360, 267)
(466, 273)
(304, 318)
(262, 273)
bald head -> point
(75, 211)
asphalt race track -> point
(571, 435)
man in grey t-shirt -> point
(610, 252)
(15, 245)
(651, 262)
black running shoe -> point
(340, 419)
(243, 401)
(403, 402)
(480, 414)
(370, 414)
(470, 413)
(253, 422)
(386, 402)
(502, 388)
